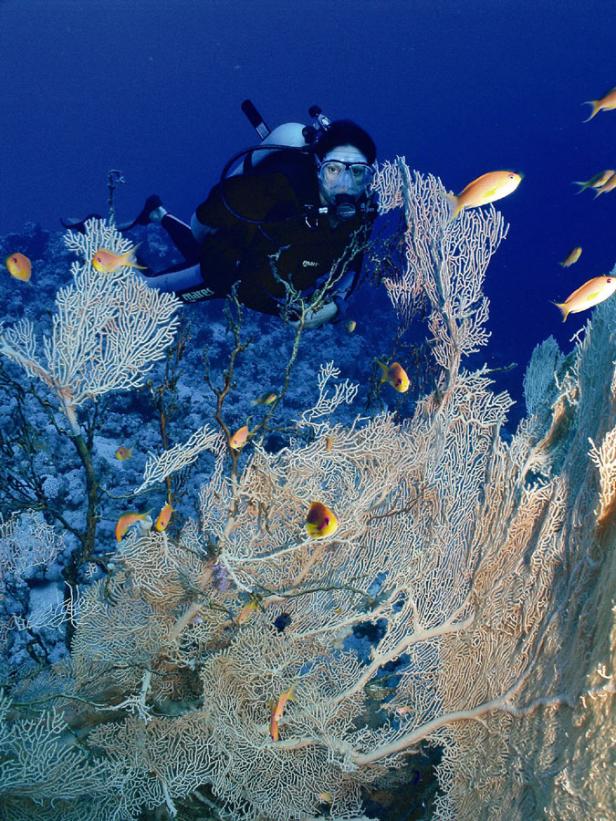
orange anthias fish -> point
(608, 185)
(247, 611)
(163, 518)
(572, 257)
(106, 262)
(395, 375)
(19, 266)
(278, 711)
(320, 521)
(595, 182)
(127, 520)
(266, 399)
(588, 295)
(239, 438)
(485, 189)
(122, 453)
(606, 103)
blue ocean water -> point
(154, 88)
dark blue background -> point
(153, 88)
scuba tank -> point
(288, 135)
(272, 154)
(320, 122)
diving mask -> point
(354, 175)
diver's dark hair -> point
(345, 132)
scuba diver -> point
(295, 207)
(294, 210)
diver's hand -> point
(314, 319)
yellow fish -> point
(350, 326)
(606, 103)
(320, 521)
(595, 182)
(106, 262)
(607, 186)
(127, 520)
(588, 295)
(395, 375)
(278, 711)
(19, 266)
(163, 518)
(247, 610)
(122, 453)
(239, 438)
(266, 399)
(485, 189)
(572, 257)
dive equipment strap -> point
(255, 119)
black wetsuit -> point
(301, 244)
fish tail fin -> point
(131, 258)
(563, 308)
(598, 192)
(595, 109)
(384, 370)
(456, 207)
(583, 185)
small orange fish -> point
(266, 399)
(588, 295)
(605, 103)
(572, 257)
(239, 438)
(395, 375)
(402, 711)
(485, 189)
(19, 266)
(320, 521)
(122, 453)
(278, 711)
(329, 442)
(128, 520)
(595, 182)
(247, 611)
(163, 518)
(608, 185)
(106, 262)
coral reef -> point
(480, 566)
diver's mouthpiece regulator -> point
(345, 206)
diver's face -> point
(343, 170)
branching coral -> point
(487, 564)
